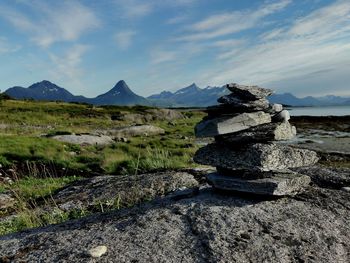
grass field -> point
(39, 165)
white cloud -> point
(6, 47)
(67, 67)
(314, 43)
(230, 22)
(65, 21)
(160, 56)
(124, 38)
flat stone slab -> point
(255, 157)
(236, 103)
(262, 133)
(230, 124)
(249, 92)
(278, 184)
(84, 139)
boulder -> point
(277, 183)
(126, 190)
(277, 107)
(249, 92)
(230, 124)
(262, 133)
(84, 139)
(255, 157)
(241, 105)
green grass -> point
(40, 165)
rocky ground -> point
(188, 221)
(191, 225)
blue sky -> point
(294, 46)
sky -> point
(86, 46)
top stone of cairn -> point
(249, 92)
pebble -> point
(346, 189)
(97, 252)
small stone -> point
(277, 107)
(97, 251)
(255, 157)
(6, 201)
(249, 92)
(230, 124)
(346, 189)
(282, 116)
(278, 184)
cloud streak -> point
(124, 39)
(66, 21)
(230, 22)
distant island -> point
(190, 96)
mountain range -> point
(191, 96)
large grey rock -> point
(249, 92)
(262, 133)
(229, 124)
(242, 105)
(255, 157)
(277, 183)
(311, 227)
(126, 190)
(84, 139)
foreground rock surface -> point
(255, 157)
(312, 227)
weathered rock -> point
(210, 227)
(255, 157)
(346, 189)
(97, 252)
(249, 92)
(124, 190)
(281, 116)
(230, 124)
(139, 130)
(261, 133)
(6, 201)
(278, 183)
(242, 105)
(84, 139)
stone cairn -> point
(246, 153)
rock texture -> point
(278, 183)
(210, 227)
(230, 124)
(121, 191)
(249, 92)
(261, 133)
(255, 157)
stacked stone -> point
(246, 153)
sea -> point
(320, 111)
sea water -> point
(320, 111)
